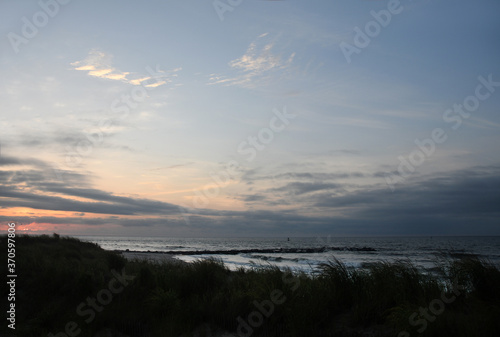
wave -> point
(273, 258)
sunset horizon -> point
(255, 118)
(250, 168)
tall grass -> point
(56, 274)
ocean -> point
(306, 253)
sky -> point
(250, 118)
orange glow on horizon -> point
(34, 221)
(34, 213)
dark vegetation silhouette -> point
(56, 274)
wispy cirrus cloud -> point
(258, 64)
(99, 64)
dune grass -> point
(56, 275)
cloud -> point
(462, 202)
(37, 187)
(454, 203)
(257, 65)
(171, 167)
(472, 193)
(298, 188)
(139, 80)
(284, 174)
(254, 197)
(99, 64)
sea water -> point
(359, 252)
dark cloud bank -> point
(465, 202)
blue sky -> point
(159, 118)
